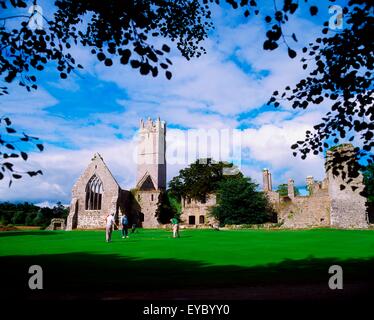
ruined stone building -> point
(327, 205)
(196, 213)
(97, 193)
(330, 203)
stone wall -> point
(197, 209)
(334, 202)
(56, 224)
(305, 212)
(81, 218)
(348, 207)
(151, 153)
(148, 201)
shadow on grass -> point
(92, 276)
(27, 233)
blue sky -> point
(98, 109)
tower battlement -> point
(151, 160)
(152, 126)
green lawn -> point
(81, 261)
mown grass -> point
(153, 260)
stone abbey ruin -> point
(97, 193)
(328, 203)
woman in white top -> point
(109, 227)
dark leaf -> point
(101, 56)
(291, 53)
(165, 48)
(313, 10)
(8, 165)
(108, 62)
(24, 155)
(10, 130)
(7, 121)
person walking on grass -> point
(110, 222)
(134, 222)
(125, 226)
(175, 223)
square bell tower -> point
(151, 160)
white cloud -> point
(22, 102)
(270, 144)
(62, 167)
(209, 92)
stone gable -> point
(97, 193)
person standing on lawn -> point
(175, 223)
(135, 219)
(110, 222)
(125, 226)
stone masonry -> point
(328, 204)
(348, 207)
(196, 213)
(56, 224)
(97, 194)
(83, 217)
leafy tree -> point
(199, 179)
(175, 204)
(283, 190)
(17, 213)
(239, 202)
(29, 221)
(29, 214)
(341, 74)
(341, 62)
(165, 211)
(60, 211)
(15, 146)
(19, 217)
(126, 29)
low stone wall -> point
(56, 224)
(91, 219)
(251, 226)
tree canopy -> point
(200, 178)
(239, 202)
(15, 146)
(29, 214)
(342, 76)
(167, 208)
(341, 61)
(283, 190)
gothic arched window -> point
(94, 193)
